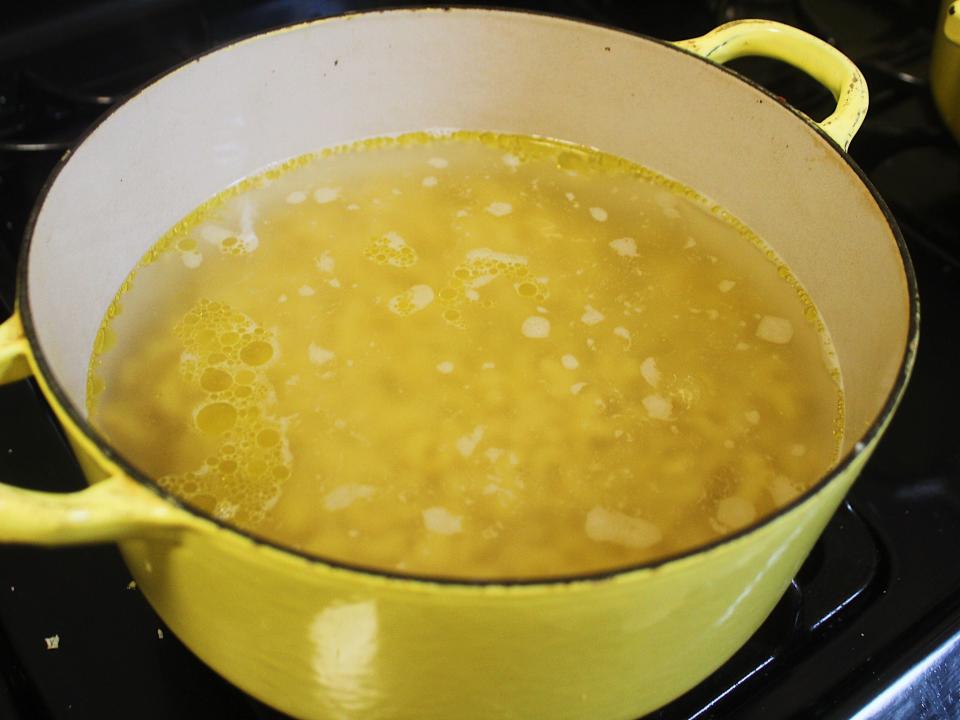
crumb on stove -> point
(132, 585)
(53, 642)
(160, 633)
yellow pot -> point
(945, 65)
(319, 639)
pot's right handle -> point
(951, 27)
(823, 62)
(112, 509)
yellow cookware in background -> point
(945, 65)
(318, 639)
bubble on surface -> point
(658, 407)
(668, 203)
(598, 214)
(735, 512)
(325, 195)
(319, 355)
(605, 525)
(499, 209)
(216, 418)
(466, 444)
(192, 259)
(215, 380)
(243, 477)
(257, 352)
(591, 316)
(391, 249)
(412, 300)
(441, 521)
(650, 372)
(624, 247)
(775, 329)
(325, 263)
(345, 495)
(535, 327)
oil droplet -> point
(268, 438)
(256, 353)
(215, 380)
(216, 418)
(526, 289)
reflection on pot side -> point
(470, 355)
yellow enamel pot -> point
(945, 65)
(319, 639)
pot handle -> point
(112, 509)
(951, 27)
(823, 62)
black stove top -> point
(871, 626)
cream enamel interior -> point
(293, 91)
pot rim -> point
(866, 439)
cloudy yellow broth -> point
(469, 355)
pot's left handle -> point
(806, 52)
(112, 509)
